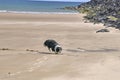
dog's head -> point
(58, 49)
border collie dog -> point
(53, 46)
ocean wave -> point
(30, 12)
(3, 10)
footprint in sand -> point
(38, 63)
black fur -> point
(53, 45)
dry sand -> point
(86, 55)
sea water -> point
(30, 6)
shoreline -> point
(32, 12)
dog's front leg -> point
(49, 49)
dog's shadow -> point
(39, 52)
(49, 53)
(87, 50)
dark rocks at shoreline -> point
(69, 8)
(102, 11)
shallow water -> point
(26, 6)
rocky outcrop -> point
(69, 8)
(102, 11)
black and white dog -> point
(53, 46)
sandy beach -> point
(86, 55)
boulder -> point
(102, 30)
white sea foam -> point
(30, 12)
(3, 11)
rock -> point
(106, 12)
(69, 8)
(102, 30)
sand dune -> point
(86, 55)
